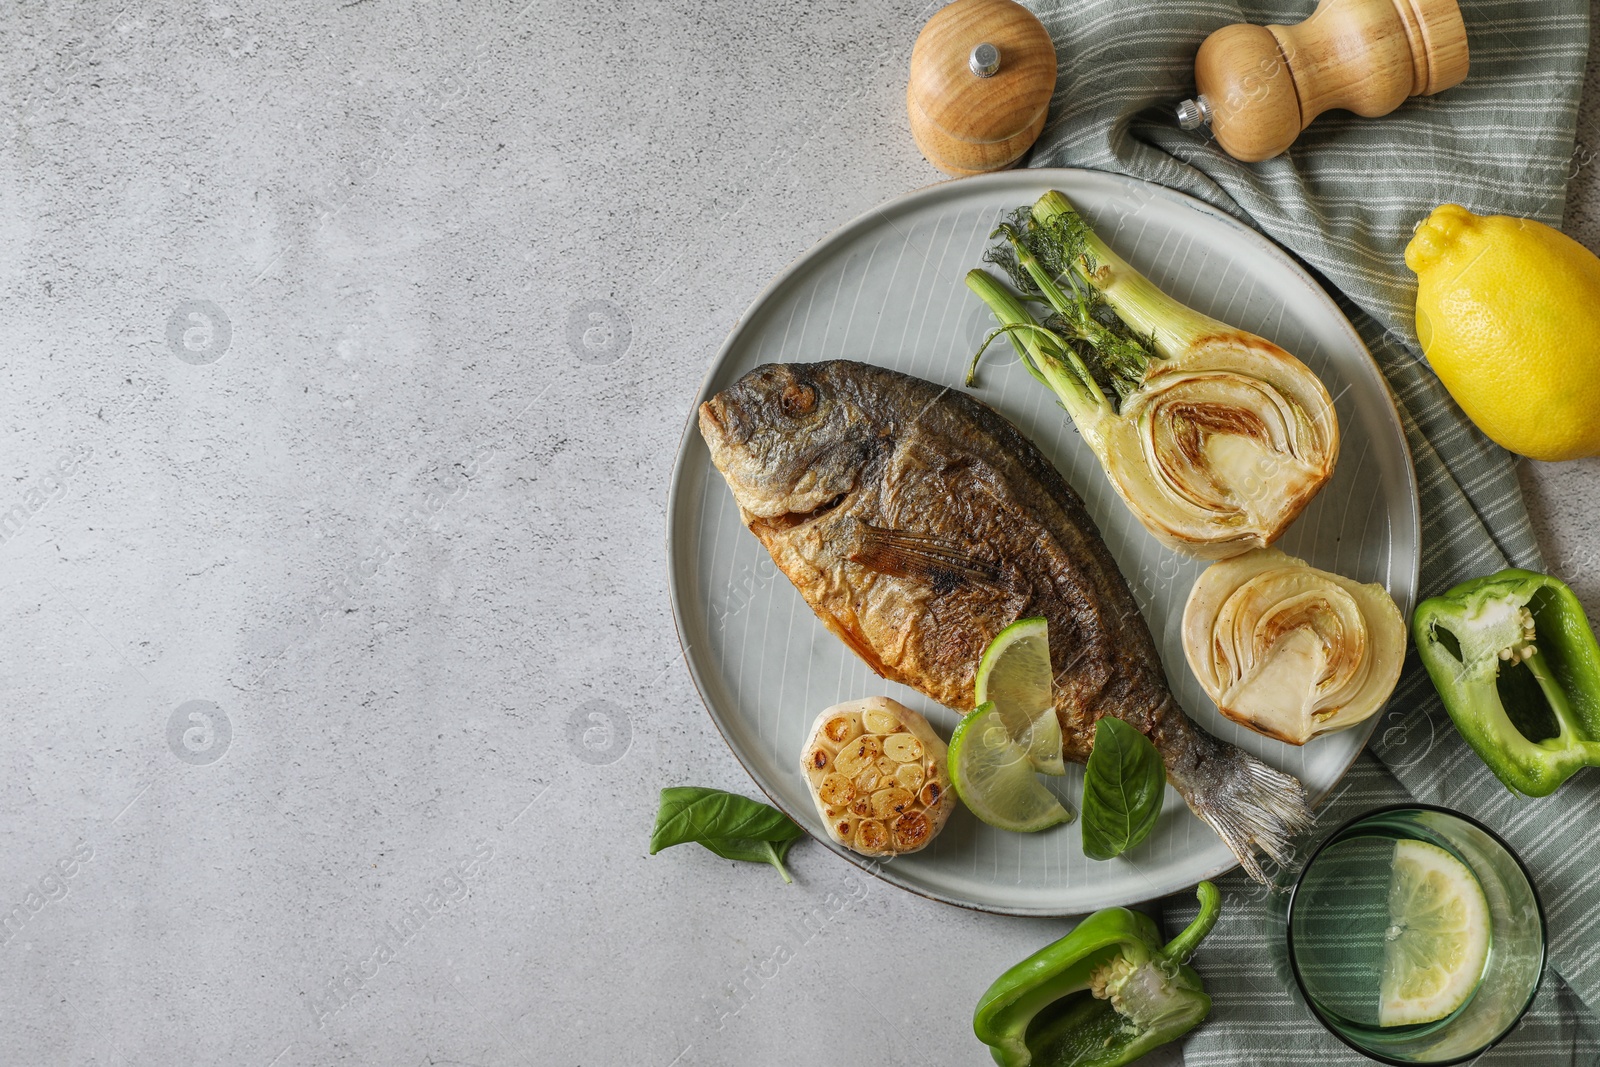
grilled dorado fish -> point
(918, 523)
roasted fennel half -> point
(1289, 650)
(1216, 439)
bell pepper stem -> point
(1105, 994)
(1180, 948)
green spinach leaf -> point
(1122, 789)
(732, 826)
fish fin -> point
(926, 559)
(1251, 806)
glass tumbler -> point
(1338, 923)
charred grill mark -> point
(1220, 418)
(1193, 422)
(1235, 339)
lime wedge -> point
(993, 777)
(1438, 936)
(1015, 675)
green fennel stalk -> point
(1215, 438)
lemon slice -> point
(1015, 675)
(1438, 936)
(994, 778)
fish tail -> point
(1250, 805)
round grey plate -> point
(888, 289)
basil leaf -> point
(732, 826)
(694, 813)
(1122, 789)
(752, 851)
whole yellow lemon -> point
(1508, 313)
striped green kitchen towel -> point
(1344, 200)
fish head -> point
(792, 439)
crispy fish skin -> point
(918, 523)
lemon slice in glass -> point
(1015, 675)
(993, 776)
(1438, 937)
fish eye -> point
(798, 399)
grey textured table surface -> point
(348, 350)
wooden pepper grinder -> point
(982, 72)
(1261, 85)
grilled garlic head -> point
(878, 775)
(1291, 651)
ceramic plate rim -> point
(1062, 177)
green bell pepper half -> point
(1105, 994)
(1517, 666)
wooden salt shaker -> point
(982, 72)
(1261, 85)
